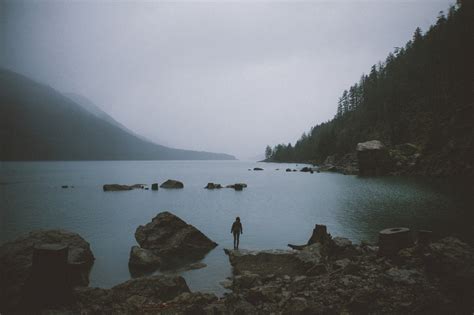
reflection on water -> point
(277, 207)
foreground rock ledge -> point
(16, 262)
(172, 239)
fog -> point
(225, 77)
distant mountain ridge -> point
(39, 123)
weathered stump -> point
(49, 283)
(392, 240)
(154, 186)
(320, 235)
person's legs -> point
(238, 237)
(235, 240)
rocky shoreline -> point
(328, 275)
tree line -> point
(422, 93)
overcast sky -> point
(218, 76)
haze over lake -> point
(276, 208)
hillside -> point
(39, 123)
(422, 93)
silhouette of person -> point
(236, 230)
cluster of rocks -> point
(326, 275)
(237, 186)
(167, 241)
(170, 184)
(374, 158)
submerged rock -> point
(173, 239)
(16, 262)
(172, 184)
(213, 186)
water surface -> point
(277, 208)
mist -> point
(224, 77)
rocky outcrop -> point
(351, 278)
(172, 239)
(16, 262)
(276, 262)
(237, 186)
(137, 296)
(372, 158)
(117, 187)
(172, 184)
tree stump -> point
(392, 240)
(49, 284)
(154, 186)
(320, 235)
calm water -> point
(277, 207)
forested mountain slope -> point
(422, 93)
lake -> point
(277, 208)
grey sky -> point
(218, 76)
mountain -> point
(39, 123)
(422, 94)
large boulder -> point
(172, 184)
(16, 261)
(173, 239)
(275, 262)
(372, 158)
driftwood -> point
(320, 235)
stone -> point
(405, 276)
(173, 239)
(64, 186)
(392, 240)
(195, 266)
(154, 186)
(274, 262)
(117, 187)
(288, 170)
(172, 184)
(142, 259)
(16, 262)
(372, 158)
(258, 169)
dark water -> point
(277, 207)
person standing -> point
(236, 230)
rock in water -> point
(171, 183)
(143, 259)
(154, 186)
(372, 158)
(16, 262)
(258, 169)
(117, 187)
(173, 239)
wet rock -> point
(154, 186)
(213, 186)
(373, 158)
(16, 262)
(143, 259)
(274, 262)
(258, 169)
(306, 169)
(117, 187)
(288, 170)
(172, 184)
(173, 239)
(195, 266)
(237, 186)
(64, 186)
